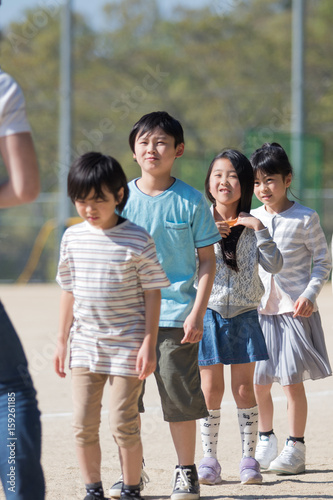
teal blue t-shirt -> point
(179, 220)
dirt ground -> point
(34, 311)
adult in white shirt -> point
(20, 429)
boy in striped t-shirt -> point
(111, 279)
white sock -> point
(248, 426)
(209, 428)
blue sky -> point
(13, 10)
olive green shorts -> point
(178, 378)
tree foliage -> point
(220, 73)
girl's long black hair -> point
(246, 179)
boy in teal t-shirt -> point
(178, 218)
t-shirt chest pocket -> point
(178, 232)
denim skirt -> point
(231, 341)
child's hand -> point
(223, 228)
(249, 221)
(146, 360)
(303, 307)
(59, 359)
(193, 328)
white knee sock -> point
(209, 427)
(248, 426)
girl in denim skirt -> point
(232, 334)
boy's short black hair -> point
(96, 171)
(150, 121)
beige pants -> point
(87, 392)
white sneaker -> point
(266, 450)
(291, 459)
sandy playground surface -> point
(34, 312)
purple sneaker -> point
(249, 470)
(209, 471)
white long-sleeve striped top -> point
(306, 259)
(107, 272)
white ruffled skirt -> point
(296, 349)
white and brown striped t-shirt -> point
(107, 272)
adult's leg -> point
(20, 427)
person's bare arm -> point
(193, 325)
(65, 323)
(23, 183)
(146, 359)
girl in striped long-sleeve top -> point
(289, 314)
